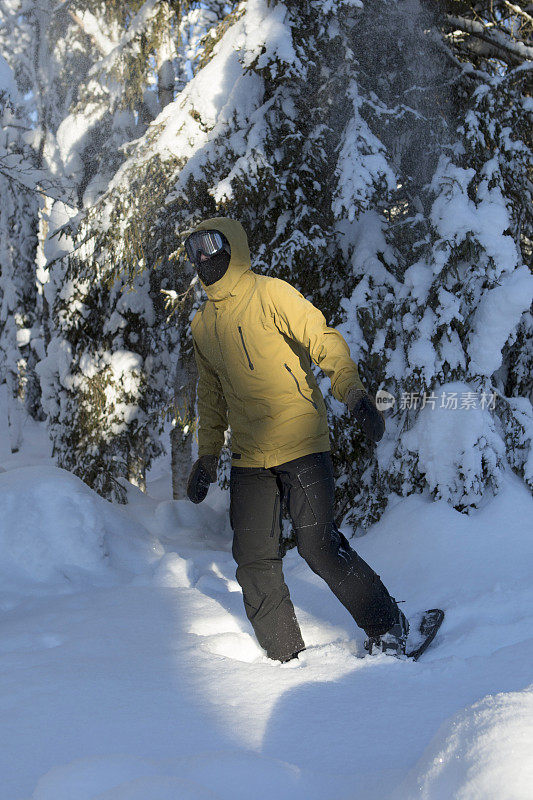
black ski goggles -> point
(207, 242)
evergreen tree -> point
(454, 291)
(342, 199)
(107, 367)
(238, 151)
(373, 169)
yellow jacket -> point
(254, 339)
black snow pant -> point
(306, 486)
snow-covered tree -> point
(382, 169)
(240, 140)
(106, 372)
(442, 308)
(347, 151)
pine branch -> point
(101, 42)
(136, 28)
(31, 179)
(518, 10)
(499, 45)
(465, 70)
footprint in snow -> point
(237, 646)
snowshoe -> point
(430, 622)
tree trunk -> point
(42, 274)
(165, 83)
(166, 77)
(14, 410)
(181, 457)
(137, 467)
(183, 424)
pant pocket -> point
(253, 498)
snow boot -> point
(394, 641)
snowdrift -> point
(123, 635)
(482, 752)
(55, 531)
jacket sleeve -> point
(212, 408)
(296, 317)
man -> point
(254, 341)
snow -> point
(417, 281)
(125, 778)
(92, 28)
(264, 25)
(73, 135)
(455, 440)
(367, 235)
(62, 532)
(220, 94)
(420, 352)
(7, 81)
(55, 247)
(496, 318)
(124, 639)
(137, 299)
(113, 52)
(58, 362)
(125, 365)
(35, 541)
(478, 753)
(362, 164)
(224, 101)
(455, 216)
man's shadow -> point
(361, 734)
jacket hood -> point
(240, 255)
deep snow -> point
(128, 670)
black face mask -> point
(213, 269)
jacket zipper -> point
(245, 350)
(298, 386)
(220, 347)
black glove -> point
(203, 473)
(364, 409)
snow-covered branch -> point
(89, 25)
(498, 44)
(137, 27)
(517, 10)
